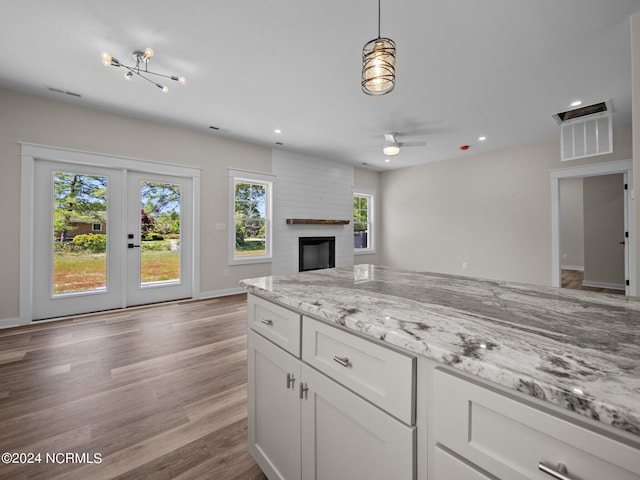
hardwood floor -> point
(156, 392)
(573, 279)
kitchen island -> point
(576, 351)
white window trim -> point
(367, 192)
(250, 177)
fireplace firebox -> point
(316, 253)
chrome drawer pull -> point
(558, 472)
(344, 361)
(266, 321)
(304, 388)
(290, 380)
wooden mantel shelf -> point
(315, 221)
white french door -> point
(159, 238)
(108, 238)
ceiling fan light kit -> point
(141, 68)
(391, 149)
(378, 64)
(392, 145)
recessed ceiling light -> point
(277, 130)
(576, 103)
(482, 139)
(387, 160)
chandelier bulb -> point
(106, 59)
(128, 75)
(182, 80)
(164, 88)
(148, 53)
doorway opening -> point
(592, 225)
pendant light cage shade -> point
(379, 66)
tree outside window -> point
(251, 221)
(362, 221)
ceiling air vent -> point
(585, 131)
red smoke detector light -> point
(464, 147)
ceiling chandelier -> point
(141, 68)
(378, 64)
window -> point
(250, 226)
(363, 231)
(96, 227)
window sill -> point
(248, 261)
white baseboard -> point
(572, 267)
(15, 322)
(10, 322)
(611, 286)
(221, 293)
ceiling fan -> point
(392, 145)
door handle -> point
(131, 245)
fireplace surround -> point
(316, 253)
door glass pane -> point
(79, 233)
(159, 232)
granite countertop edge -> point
(472, 361)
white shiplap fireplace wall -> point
(308, 187)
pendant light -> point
(378, 64)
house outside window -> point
(363, 221)
(250, 225)
(96, 227)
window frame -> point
(371, 196)
(240, 176)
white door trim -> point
(607, 168)
(30, 152)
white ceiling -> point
(465, 68)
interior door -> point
(78, 262)
(159, 238)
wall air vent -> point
(57, 90)
(585, 131)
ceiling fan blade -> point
(390, 138)
(413, 144)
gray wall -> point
(491, 210)
(37, 120)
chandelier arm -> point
(172, 77)
(147, 79)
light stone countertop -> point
(578, 350)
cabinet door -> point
(273, 409)
(345, 437)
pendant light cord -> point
(378, 18)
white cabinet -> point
(303, 424)
(273, 409)
(513, 439)
(345, 437)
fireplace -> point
(316, 253)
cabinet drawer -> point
(379, 374)
(510, 438)
(447, 467)
(276, 323)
